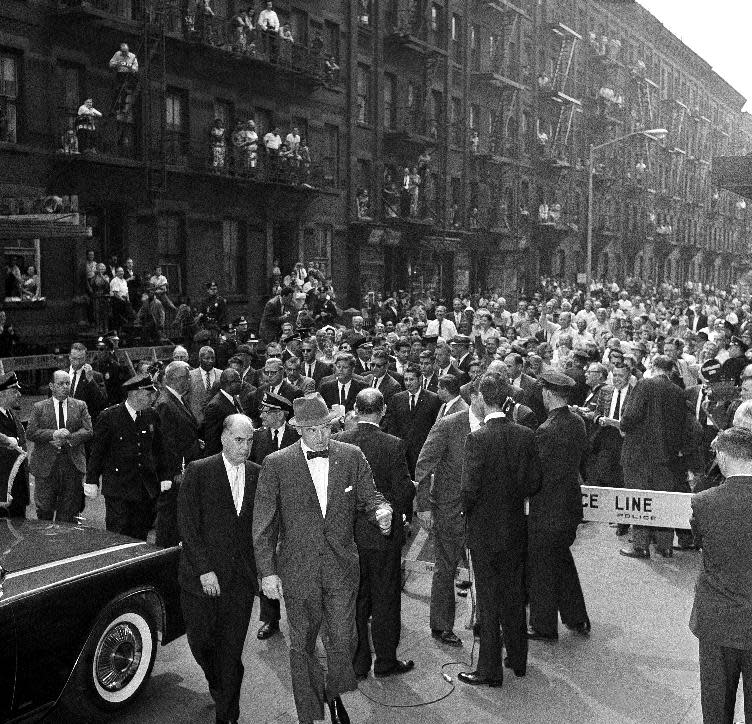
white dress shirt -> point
(119, 287)
(268, 20)
(340, 388)
(475, 422)
(280, 431)
(75, 379)
(57, 411)
(236, 476)
(230, 398)
(131, 410)
(319, 469)
(448, 405)
(614, 397)
(448, 330)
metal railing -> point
(113, 135)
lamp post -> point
(654, 134)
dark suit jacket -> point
(329, 390)
(561, 442)
(262, 442)
(12, 427)
(43, 424)
(412, 427)
(127, 454)
(291, 537)
(500, 469)
(270, 326)
(180, 433)
(722, 611)
(215, 413)
(433, 382)
(91, 393)
(386, 456)
(388, 386)
(215, 538)
(320, 370)
(654, 419)
(533, 396)
(579, 392)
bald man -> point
(217, 564)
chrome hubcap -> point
(118, 656)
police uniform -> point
(11, 426)
(126, 453)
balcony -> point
(504, 7)
(413, 126)
(500, 151)
(113, 137)
(408, 26)
(499, 74)
(555, 219)
(408, 199)
(124, 12)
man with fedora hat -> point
(274, 435)
(555, 512)
(127, 454)
(307, 500)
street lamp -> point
(655, 134)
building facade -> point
(448, 145)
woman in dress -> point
(100, 293)
(219, 150)
(30, 284)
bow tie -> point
(311, 454)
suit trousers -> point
(216, 629)
(379, 598)
(449, 547)
(269, 611)
(604, 464)
(129, 517)
(720, 668)
(552, 580)
(59, 494)
(167, 518)
(331, 603)
(501, 601)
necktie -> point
(412, 403)
(308, 371)
(75, 382)
(442, 410)
(238, 408)
(311, 454)
(61, 415)
(617, 410)
(208, 381)
(342, 395)
(375, 382)
(440, 321)
(274, 439)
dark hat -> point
(740, 342)
(710, 370)
(243, 349)
(311, 411)
(276, 402)
(431, 338)
(361, 342)
(140, 382)
(460, 339)
(582, 354)
(555, 379)
(9, 382)
(426, 354)
(239, 320)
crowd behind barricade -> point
(465, 405)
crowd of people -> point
(329, 435)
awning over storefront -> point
(44, 226)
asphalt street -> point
(638, 666)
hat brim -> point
(315, 422)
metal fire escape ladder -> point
(568, 44)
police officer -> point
(127, 455)
(555, 512)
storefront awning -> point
(44, 226)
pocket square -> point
(347, 490)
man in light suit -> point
(217, 568)
(303, 535)
(722, 612)
(181, 445)
(203, 383)
(438, 473)
(59, 427)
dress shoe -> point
(519, 672)
(634, 552)
(534, 635)
(398, 667)
(476, 679)
(581, 628)
(446, 637)
(621, 529)
(267, 630)
(338, 712)
(666, 552)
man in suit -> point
(654, 421)
(304, 385)
(411, 414)
(429, 376)
(462, 318)
(59, 426)
(217, 567)
(532, 391)
(460, 347)
(576, 370)
(722, 611)
(203, 382)
(362, 347)
(303, 534)
(344, 388)
(223, 404)
(449, 394)
(14, 494)
(127, 454)
(273, 380)
(444, 364)
(181, 445)
(699, 403)
(274, 435)
(555, 512)
(500, 469)
(438, 473)
(379, 596)
(277, 310)
(401, 356)
(86, 384)
(379, 376)
(312, 367)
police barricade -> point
(60, 361)
(599, 505)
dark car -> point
(81, 614)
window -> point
(436, 29)
(330, 157)
(223, 111)
(456, 38)
(474, 117)
(8, 97)
(299, 27)
(264, 121)
(72, 94)
(24, 253)
(220, 8)
(390, 92)
(233, 258)
(176, 127)
(317, 247)
(331, 39)
(458, 126)
(364, 94)
(364, 12)
(171, 239)
(364, 187)
(475, 47)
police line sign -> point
(636, 507)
